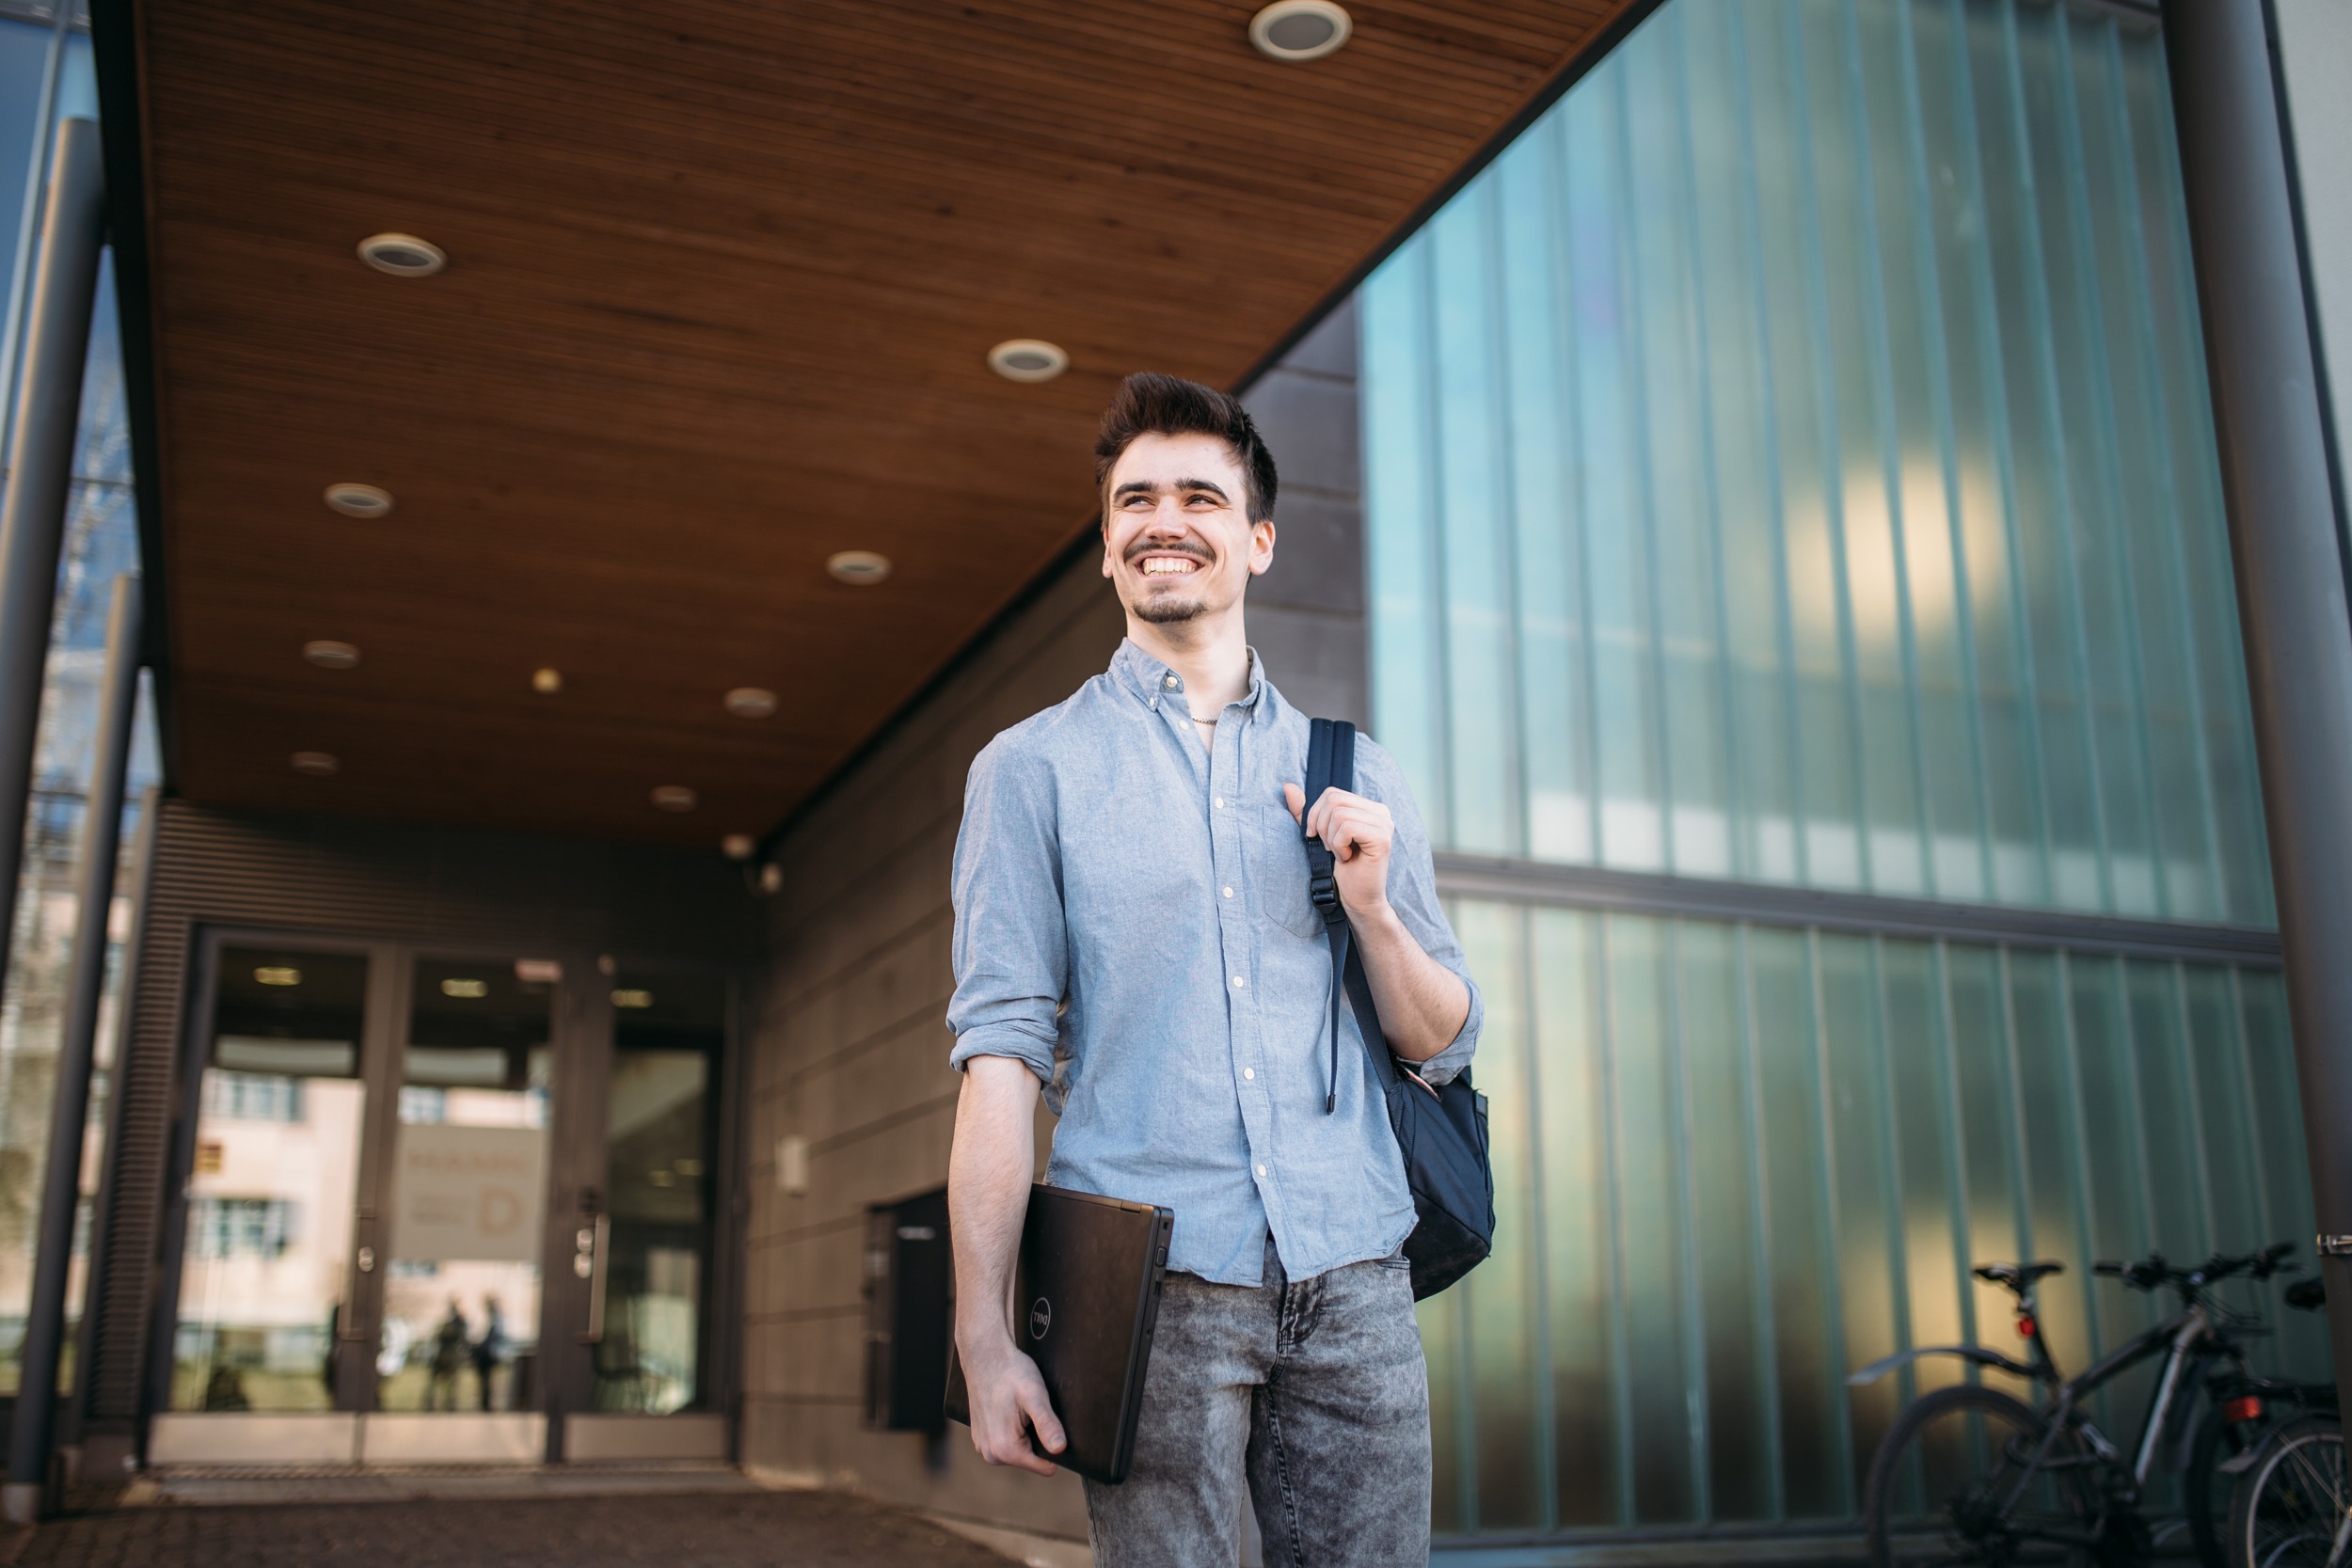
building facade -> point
(1795, 580)
(1771, 508)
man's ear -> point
(1261, 546)
(1107, 547)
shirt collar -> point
(1152, 680)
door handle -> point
(362, 1264)
(588, 1261)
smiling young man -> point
(1133, 933)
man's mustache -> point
(1137, 551)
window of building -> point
(252, 1097)
(240, 1227)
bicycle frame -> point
(2177, 1339)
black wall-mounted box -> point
(910, 1313)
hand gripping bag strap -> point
(1440, 1131)
(1331, 765)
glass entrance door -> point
(660, 1171)
(466, 1208)
(384, 1142)
(282, 1107)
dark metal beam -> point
(2291, 591)
(1861, 913)
(114, 52)
(33, 1424)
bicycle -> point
(2011, 1482)
(2292, 1506)
(2242, 1411)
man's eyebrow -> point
(1145, 487)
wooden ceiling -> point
(721, 278)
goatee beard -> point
(1162, 611)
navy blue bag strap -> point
(1331, 765)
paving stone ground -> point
(766, 1529)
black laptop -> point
(1085, 1295)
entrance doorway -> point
(443, 1206)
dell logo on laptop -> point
(1040, 1318)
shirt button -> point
(1239, 982)
(1169, 681)
(1220, 802)
(1228, 893)
(1262, 1170)
(1249, 1073)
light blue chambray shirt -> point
(1132, 922)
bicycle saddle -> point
(2015, 1276)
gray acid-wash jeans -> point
(1317, 1389)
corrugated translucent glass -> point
(1735, 1163)
(1791, 462)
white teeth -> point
(1166, 565)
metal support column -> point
(2290, 588)
(113, 1451)
(40, 475)
(35, 1421)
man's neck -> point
(1211, 655)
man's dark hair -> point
(1149, 404)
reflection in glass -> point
(668, 1031)
(468, 1192)
(271, 1197)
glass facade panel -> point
(1789, 462)
(42, 69)
(1735, 1163)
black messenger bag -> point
(1440, 1131)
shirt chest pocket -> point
(1276, 853)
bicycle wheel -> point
(2290, 1507)
(1956, 1481)
(2206, 1488)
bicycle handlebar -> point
(2147, 1274)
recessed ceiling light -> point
(331, 655)
(318, 764)
(756, 701)
(546, 682)
(277, 974)
(359, 501)
(466, 989)
(1028, 359)
(738, 847)
(674, 798)
(1299, 29)
(632, 999)
(863, 567)
(771, 877)
(403, 254)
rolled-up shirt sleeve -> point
(1012, 950)
(1413, 893)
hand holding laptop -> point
(1008, 1404)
